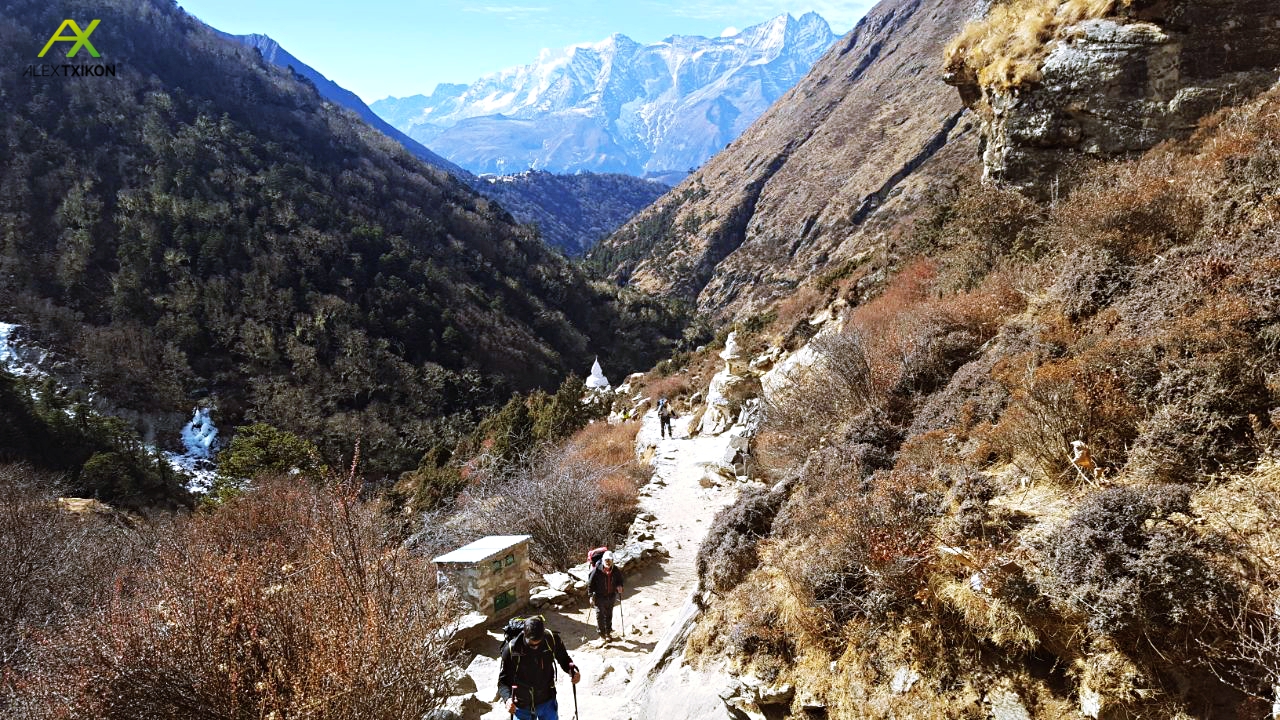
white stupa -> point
(597, 381)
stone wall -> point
(480, 584)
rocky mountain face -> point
(615, 105)
(865, 140)
(1145, 72)
(571, 212)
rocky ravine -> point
(679, 504)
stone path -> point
(655, 596)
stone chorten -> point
(597, 381)
(729, 389)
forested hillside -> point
(204, 224)
(571, 212)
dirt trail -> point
(654, 596)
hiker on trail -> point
(664, 417)
(604, 588)
(527, 678)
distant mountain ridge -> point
(615, 105)
(335, 93)
(571, 212)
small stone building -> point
(491, 574)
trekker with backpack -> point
(604, 588)
(665, 413)
(527, 676)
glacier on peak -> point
(615, 105)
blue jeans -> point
(548, 710)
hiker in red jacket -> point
(604, 588)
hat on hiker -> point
(607, 558)
(534, 629)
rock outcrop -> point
(1120, 84)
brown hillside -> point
(870, 133)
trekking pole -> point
(575, 699)
(622, 619)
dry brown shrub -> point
(670, 387)
(928, 450)
(612, 447)
(565, 500)
(805, 412)
(53, 563)
(793, 312)
(990, 224)
(1131, 209)
(1005, 48)
(285, 602)
(896, 347)
(862, 549)
(1080, 398)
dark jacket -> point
(604, 585)
(532, 671)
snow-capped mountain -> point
(615, 105)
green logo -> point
(81, 39)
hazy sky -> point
(377, 48)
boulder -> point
(558, 581)
(775, 694)
(739, 701)
(461, 707)
(548, 596)
(461, 683)
(1007, 705)
(717, 474)
(471, 626)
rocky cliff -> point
(1110, 82)
(868, 137)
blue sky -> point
(377, 48)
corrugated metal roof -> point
(482, 549)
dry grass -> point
(1244, 508)
(989, 618)
(613, 448)
(1005, 48)
(607, 444)
(793, 312)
